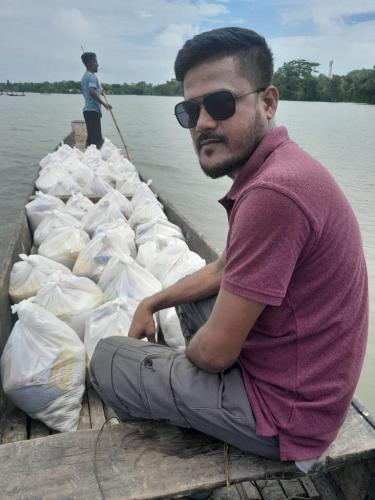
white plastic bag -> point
(92, 156)
(148, 251)
(116, 198)
(119, 166)
(107, 149)
(97, 187)
(124, 277)
(63, 152)
(111, 319)
(121, 231)
(29, 274)
(80, 173)
(157, 228)
(78, 205)
(64, 244)
(147, 211)
(171, 328)
(56, 180)
(38, 208)
(70, 298)
(54, 220)
(128, 184)
(94, 257)
(123, 163)
(174, 262)
(143, 193)
(43, 368)
(101, 214)
(103, 171)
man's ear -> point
(270, 99)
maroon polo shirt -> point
(294, 244)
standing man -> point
(91, 91)
(277, 326)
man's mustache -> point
(206, 136)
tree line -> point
(169, 88)
(297, 80)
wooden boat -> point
(145, 460)
(12, 94)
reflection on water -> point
(340, 135)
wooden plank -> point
(110, 415)
(356, 480)
(355, 442)
(14, 425)
(226, 493)
(84, 417)
(240, 491)
(360, 407)
(270, 489)
(20, 242)
(293, 488)
(37, 429)
(133, 461)
(309, 486)
(96, 409)
(326, 487)
(250, 490)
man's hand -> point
(107, 106)
(143, 324)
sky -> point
(41, 40)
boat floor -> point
(145, 460)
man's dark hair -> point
(251, 53)
(87, 57)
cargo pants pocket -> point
(156, 388)
(141, 380)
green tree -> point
(359, 86)
(171, 87)
(295, 80)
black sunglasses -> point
(219, 105)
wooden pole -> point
(116, 125)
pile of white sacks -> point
(94, 264)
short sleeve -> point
(93, 82)
(267, 236)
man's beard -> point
(227, 167)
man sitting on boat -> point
(276, 328)
(91, 91)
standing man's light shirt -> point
(90, 80)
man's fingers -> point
(136, 333)
(151, 337)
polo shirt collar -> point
(270, 141)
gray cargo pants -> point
(140, 380)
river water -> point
(340, 135)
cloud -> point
(139, 40)
(349, 47)
(71, 22)
(174, 35)
(334, 34)
(326, 16)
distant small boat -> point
(12, 94)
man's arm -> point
(94, 95)
(197, 286)
(218, 343)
